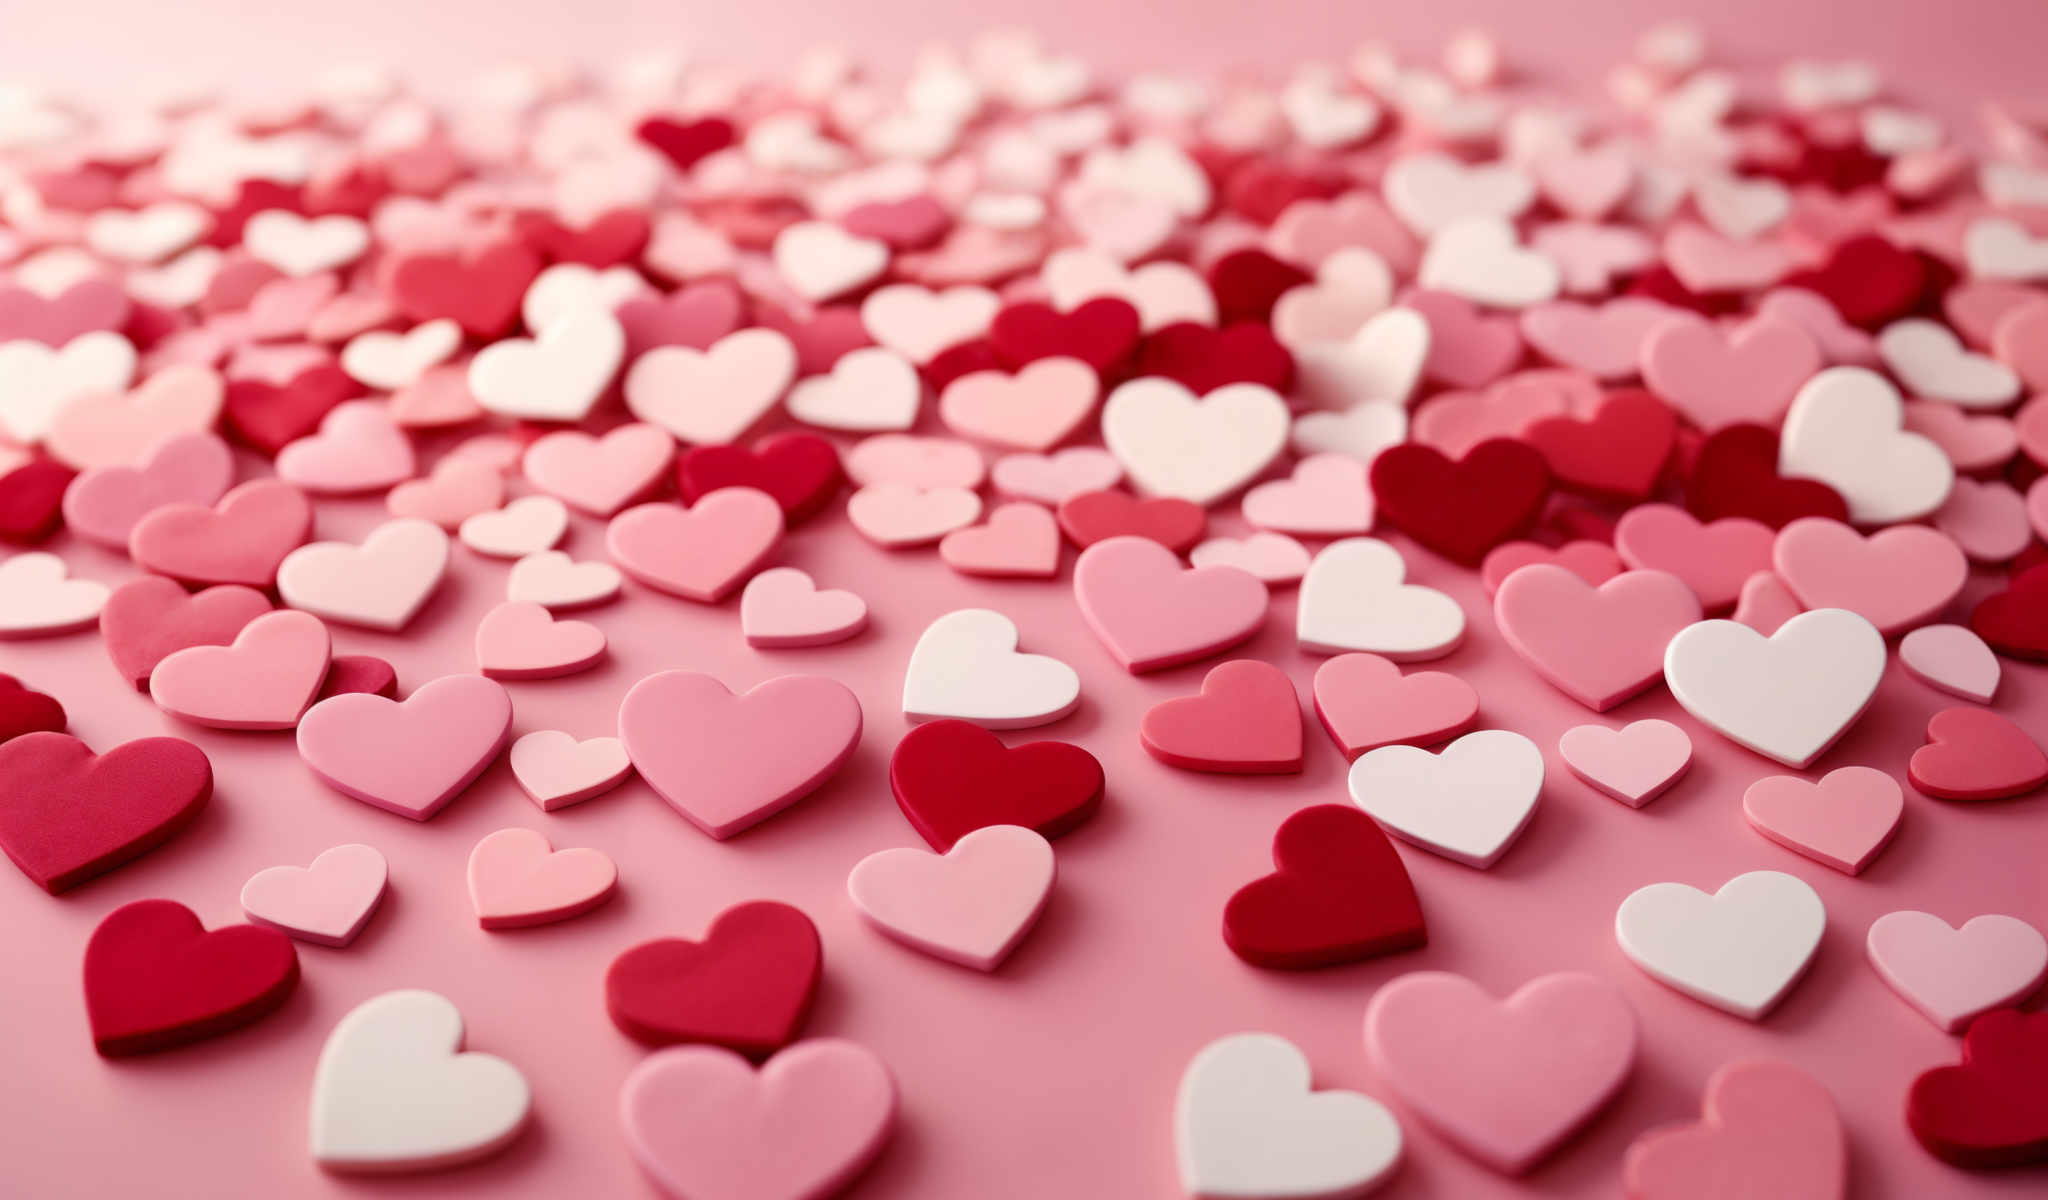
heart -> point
(1986, 1111)
(800, 470)
(358, 449)
(966, 666)
(1381, 361)
(480, 289)
(381, 359)
(566, 288)
(37, 598)
(408, 756)
(952, 778)
(1173, 444)
(1951, 975)
(747, 986)
(971, 905)
(1844, 430)
(1787, 697)
(1634, 764)
(459, 488)
(918, 323)
(240, 540)
(551, 579)
(149, 618)
(1246, 1124)
(1594, 562)
(700, 553)
(1972, 443)
(1467, 803)
(1600, 646)
(820, 261)
(1714, 558)
(1703, 262)
(395, 1091)
(1058, 477)
(1338, 894)
(1150, 612)
(270, 415)
(522, 640)
(1739, 950)
(25, 710)
(32, 498)
(1466, 349)
(1602, 340)
(1506, 1081)
(1164, 293)
(556, 770)
(107, 503)
(1843, 820)
(1326, 495)
(528, 525)
(348, 673)
(1365, 702)
(1841, 343)
(516, 879)
(117, 429)
(1735, 474)
(701, 1122)
(1717, 378)
(696, 316)
(88, 306)
(2017, 339)
(155, 978)
(557, 375)
(264, 680)
(328, 902)
(1204, 360)
(1035, 409)
(1096, 516)
(872, 389)
(41, 380)
(1930, 362)
(1617, 454)
(1769, 1131)
(1976, 754)
(1354, 598)
(1481, 260)
(1433, 191)
(1896, 579)
(1590, 256)
(1019, 540)
(1461, 509)
(381, 584)
(899, 514)
(2014, 622)
(924, 462)
(712, 396)
(1101, 332)
(67, 814)
(299, 246)
(1991, 522)
(782, 607)
(1951, 658)
(1246, 721)
(599, 475)
(1274, 558)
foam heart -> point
(327, 902)
(240, 540)
(1718, 378)
(1246, 720)
(1843, 820)
(1896, 579)
(1246, 1124)
(1150, 612)
(1019, 539)
(391, 361)
(747, 985)
(550, 578)
(558, 375)
(1093, 517)
(1955, 975)
(1274, 558)
(114, 429)
(40, 381)
(966, 665)
(1365, 702)
(1952, 658)
(1931, 362)
(1594, 562)
(1463, 508)
(67, 814)
(1198, 449)
(1739, 950)
(526, 526)
(1164, 293)
(1604, 341)
(105, 504)
(1479, 259)
(971, 905)
(782, 607)
(264, 680)
(1770, 1131)
(1600, 646)
(1338, 894)
(556, 770)
(1844, 430)
(522, 640)
(1354, 598)
(37, 597)
(599, 475)
(381, 584)
(915, 461)
(358, 449)
(1634, 764)
(1381, 361)
(801, 470)
(154, 978)
(918, 323)
(516, 879)
(1035, 409)
(25, 710)
(1976, 754)
(819, 260)
(1467, 803)
(1052, 478)
(1986, 1111)
(712, 396)
(1788, 697)
(1326, 496)
(900, 514)
(297, 245)
(951, 777)
(1433, 191)
(1714, 558)
(701, 553)
(412, 756)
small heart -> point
(1988, 1110)
(952, 778)
(1787, 697)
(782, 607)
(1365, 702)
(598, 475)
(1976, 754)
(1150, 612)
(746, 986)
(966, 666)
(381, 584)
(107, 503)
(556, 770)
(1896, 578)
(1095, 516)
(1951, 658)
(971, 905)
(1600, 646)
(328, 902)
(712, 396)
(1634, 764)
(1354, 597)
(516, 879)
(240, 540)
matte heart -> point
(1989, 1110)
(966, 665)
(522, 640)
(1246, 721)
(358, 449)
(270, 415)
(1719, 379)
(1338, 894)
(242, 539)
(67, 814)
(746, 986)
(149, 618)
(1617, 454)
(1739, 950)
(1246, 1124)
(1953, 976)
(1715, 559)
(366, 673)
(25, 710)
(1150, 612)
(1976, 754)
(328, 902)
(1843, 820)
(1365, 702)
(263, 680)
(408, 756)
(783, 607)
(480, 290)
(971, 905)
(1467, 802)
(1869, 280)
(951, 778)
(1788, 697)
(381, 584)
(155, 978)
(107, 503)
(599, 475)
(1897, 578)
(2014, 622)
(516, 879)
(1019, 540)
(1770, 1132)
(1633, 764)
(1463, 508)
(1951, 658)
(1035, 409)
(1203, 359)
(1600, 646)
(1735, 474)
(1594, 562)
(800, 470)
(1090, 517)
(32, 501)
(1102, 333)
(700, 553)
(556, 770)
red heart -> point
(1248, 282)
(952, 778)
(801, 470)
(1619, 454)
(1262, 188)
(148, 619)
(1203, 359)
(747, 986)
(1870, 281)
(1245, 721)
(612, 238)
(912, 223)
(67, 814)
(1091, 517)
(977, 354)
(89, 306)
(25, 710)
(268, 416)
(32, 501)
(155, 978)
(1101, 333)
(367, 673)
(1464, 508)
(1976, 754)
(2014, 622)
(1735, 474)
(1990, 1109)
(481, 290)
(685, 142)
(1340, 894)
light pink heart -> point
(412, 756)
(359, 449)
(1151, 612)
(1766, 603)
(518, 640)
(264, 680)
(700, 553)
(1601, 645)
(1952, 658)
(1955, 975)
(106, 503)
(599, 475)
(1715, 377)
(783, 607)
(1715, 559)
(1843, 820)
(1897, 578)
(1035, 409)
(1604, 341)
(1770, 1133)
(120, 429)
(971, 905)
(517, 879)
(1018, 539)
(1634, 764)
(327, 902)
(458, 489)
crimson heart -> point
(155, 978)
(1262, 188)
(1735, 474)
(801, 470)
(1339, 894)
(1976, 754)
(1870, 281)
(149, 618)
(25, 710)
(1618, 454)
(1101, 333)
(480, 290)
(1248, 282)
(747, 986)
(2014, 622)
(67, 814)
(614, 237)
(1245, 721)
(32, 501)
(1990, 1109)
(952, 778)
(1091, 517)
(685, 142)
(367, 673)
(1203, 359)
(1464, 508)
(268, 416)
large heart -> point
(67, 814)
(1463, 508)
(1770, 1132)
(1151, 612)
(264, 680)
(746, 986)
(412, 756)
(155, 978)
(1338, 894)
(1789, 696)
(242, 539)
(701, 553)
(1740, 949)
(953, 777)
(1468, 803)
(1601, 645)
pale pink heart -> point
(1467, 349)
(1589, 256)
(1716, 378)
(1952, 658)
(327, 902)
(1770, 1133)
(264, 680)
(1327, 496)
(556, 770)
(918, 323)
(1506, 1081)
(973, 254)
(868, 389)
(1454, 422)
(284, 308)
(1310, 230)
(2020, 340)
(712, 396)
(1601, 645)
(1766, 603)
(349, 314)
(408, 756)
(106, 503)
(458, 489)
(599, 475)
(1989, 522)
(896, 514)
(783, 607)
(1897, 578)
(1019, 539)
(1715, 559)
(1841, 344)
(1051, 478)
(522, 640)
(1634, 764)
(925, 462)
(1705, 261)
(1972, 442)
(681, 248)
(1843, 820)
(700, 553)
(971, 905)
(1586, 184)
(702, 1122)
(1035, 409)
(1274, 558)
(359, 449)
(1351, 287)
(1594, 562)
(1604, 341)
(517, 879)
(439, 397)
(275, 365)
(501, 450)
(1975, 307)
(113, 429)
(1151, 612)
(743, 758)
(1124, 225)
(380, 584)
(1955, 975)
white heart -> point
(1163, 292)
(2009, 184)
(36, 596)
(1326, 118)
(181, 282)
(1151, 167)
(918, 323)
(1742, 208)
(557, 770)
(1740, 949)
(390, 361)
(146, 235)
(1380, 362)
(710, 397)
(1173, 444)
(525, 526)
(552, 579)
(1434, 191)
(557, 375)
(1354, 598)
(380, 584)
(1247, 1125)
(820, 260)
(1467, 803)
(1844, 429)
(1787, 697)
(870, 390)
(1362, 431)
(566, 288)
(2002, 248)
(1932, 362)
(1480, 260)
(966, 666)
(36, 381)
(299, 245)
(902, 514)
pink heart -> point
(117, 430)
(1989, 522)
(1704, 261)
(1601, 645)
(2020, 340)
(1590, 255)
(694, 316)
(1035, 409)
(899, 514)
(1770, 1133)
(437, 398)
(1898, 577)
(517, 879)
(1843, 820)
(1505, 1080)
(408, 756)
(1952, 658)
(359, 449)
(241, 539)
(971, 905)
(1326, 495)
(557, 770)
(1454, 422)
(1309, 231)
(1365, 702)
(1714, 559)
(1051, 478)
(1594, 562)
(458, 489)
(746, 757)
(1150, 612)
(1604, 341)
(264, 680)
(1716, 378)
(1766, 603)
(149, 618)
(524, 641)
(1633, 764)
(1955, 975)
(1976, 307)
(328, 902)
(106, 503)
(1840, 343)
(783, 607)
(1972, 442)
(702, 1122)
(599, 475)
(1466, 348)
(1018, 539)
(700, 553)
(1586, 183)
(924, 462)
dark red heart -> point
(1989, 1110)
(67, 814)
(1870, 281)
(1101, 333)
(89, 306)
(1246, 720)
(1618, 454)
(1261, 188)
(1735, 474)
(911, 223)
(32, 501)
(367, 673)
(801, 470)
(1091, 517)
(149, 618)
(747, 986)
(480, 290)
(269, 416)
(1464, 508)
(25, 710)
(1340, 894)
(685, 142)
(2014, 622)
(156, 978)
(1204, 359)
(977, 354)
(609, 239)
(952, 778)
(1976, 754)
(1248, 282)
